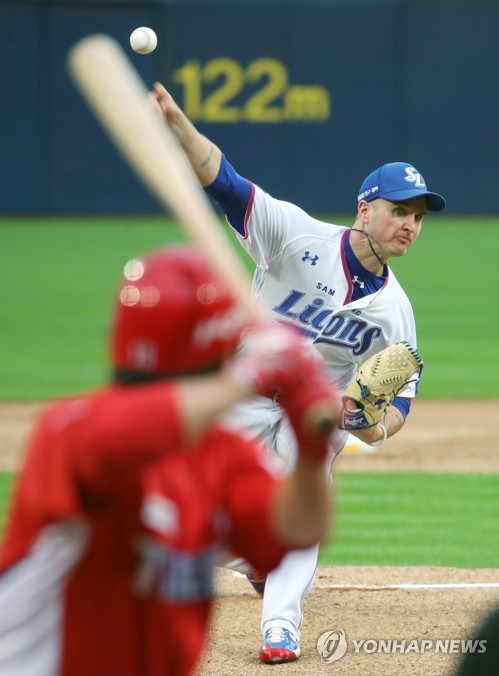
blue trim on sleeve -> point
(403, 404)
(233, 194)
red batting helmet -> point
(173, 315)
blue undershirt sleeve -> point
(232, 193)
(403, 405)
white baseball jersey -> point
(302, 276)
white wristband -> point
(385, 436)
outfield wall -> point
(305, 98)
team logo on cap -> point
(414, 176)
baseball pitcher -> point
(334, 286)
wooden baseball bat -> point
(120, 100)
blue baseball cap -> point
(396, 182)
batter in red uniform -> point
(131, 495)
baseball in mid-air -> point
(143, 40)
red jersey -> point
(114, 531)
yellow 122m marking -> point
(274, 99)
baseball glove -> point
(376, 384)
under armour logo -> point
(308, 257)
(358, 281)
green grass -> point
(6, 483)
(449, 275)
(59, 277)
(415, 519)
(55, 302)
(404, 519)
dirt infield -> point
(440, 437)
(428, 614)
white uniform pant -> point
(289, 584)
(286, 587)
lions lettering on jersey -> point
(326, 326)
(303, 274)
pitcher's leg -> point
(285, 589)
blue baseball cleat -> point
(279, 646)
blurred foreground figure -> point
(130, 495)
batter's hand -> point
(267, 359)
(274, 360)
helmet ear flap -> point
(173, 315)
